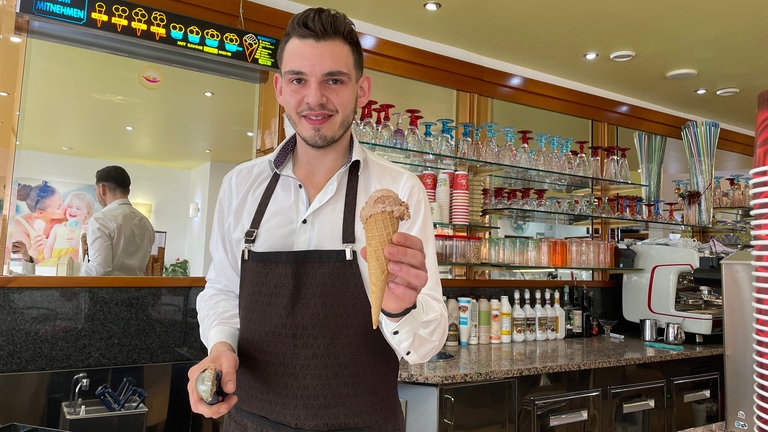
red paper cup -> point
(461, 181)
(429, 179)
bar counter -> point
(482, 363)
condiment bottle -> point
(484, 321)
(506, 320)
(495, 321)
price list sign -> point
(157, 26)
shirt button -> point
(396, 332)
(408, 353)
(301, 186)
(304, 221)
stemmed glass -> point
(717, 193)
(508, 155)
(377, 127)
(490, 149)
(428, 141)
(595, 162)
(610, 167)
(413, 138)
(540, 156)
(368, 127)
(398, 134)
(607, 325)
(477, 145)
(657, 216)
(649, 210)
(464, 149)
(384, 135)
(524, 158)
(581, 166)
(671, 218)
(622, 169)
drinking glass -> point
(464, 149)
(595, 162)
(607, 325)
(413, 138)
(622, 169)
(671, 218)
(717, 193)
(385, 132)
(524, 158)
(428, 141)
(610, 166)
(490, 149)
(540, 156)
(581, 166)
(508, 154)
(368, 127)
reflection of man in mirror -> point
(46, 210)
(119, 237)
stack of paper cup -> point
(759, 203)
(460, 198)
(443, 198)
(429, 180)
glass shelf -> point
(499, 266)
(545, 216)
(471, 227)
(423, 160)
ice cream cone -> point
(381, 218)
(379, 229)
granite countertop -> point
(476, 363)
(714, 427)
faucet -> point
(80, 381)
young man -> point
(119, 237)
(285, 311)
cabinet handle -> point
(638, 406)
(572, 417)
(697, 395)
(448, 415)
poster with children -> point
(48, 216)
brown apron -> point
(309, 359)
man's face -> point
(318, 90)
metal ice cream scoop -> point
(208, 385)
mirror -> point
(83, 109)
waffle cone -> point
(379, 229)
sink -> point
(95, 417)
(442, 356)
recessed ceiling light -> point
(249, 133)
(701, 91)
(4, 93)
(129, 128)
(207, 93)
(432, 6)
(591, 55)
(207, 150)
(621, 56)
(67, 148)
(728, 91)
(15, 39)
(681, 74)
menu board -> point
(157, 26)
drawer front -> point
(636, 407)
(696, 401)
(475, 408)
(564, 412)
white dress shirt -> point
(120, 240)
(291, 223)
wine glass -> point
(464, 149)
(367, 127)
(607, 325)
(508, 154)
(384, 135)
(377, 127)
(595, 163)
(581, 166)
(524, 158)
(622, 168)
(398, 134)
(671, 218)
(540, 156)
(490, 149)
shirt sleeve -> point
(217, 304)
(420, 334)
(99, 237)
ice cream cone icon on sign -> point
(99, 15)
(119, 18)
(139, 16)
(251, 45)
(158, 19)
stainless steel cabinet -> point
(572, 412)
(695, 401)
(637, 407)
(478, 408)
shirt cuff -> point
(222, 334)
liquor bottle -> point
(518, 320)
(586, 314)
(530, 317)
(506, 320)
(560, 313)
(578, 321)
(495, 321)
(551, 315)
(541, 318)
(568, 308)
(484, 321)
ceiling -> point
(722, 40)
(92, 96)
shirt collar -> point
(286, 148)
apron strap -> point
(350, 209)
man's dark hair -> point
(116, 178)
(320, 25)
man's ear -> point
(363, 90)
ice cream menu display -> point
(157, 26)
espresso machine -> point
(671, 286)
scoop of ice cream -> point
(385, 200)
